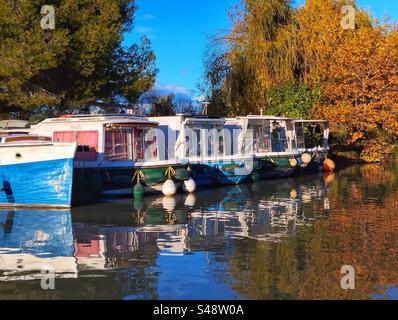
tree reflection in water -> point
(362, 231)
(273, 239)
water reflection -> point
(273, 239)
(33, 240)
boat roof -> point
(8, 133)
(190, 119)
(310, 121)
(266, 117)
(18, 138)
(204, 119)
(13, 124)
(101, 118)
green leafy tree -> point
(292, 99)
(80, 61)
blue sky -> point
(179, 30)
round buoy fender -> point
(190, 200)
(189, 185)
(328, 165)
(307, 158)
(293, 162)
(138, 190)
(169, 188)
(169, 203)
(138, 204)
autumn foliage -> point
(361, 94)
(350, 74)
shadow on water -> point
(274, 239)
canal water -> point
(275, 239)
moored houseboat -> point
(35, 172)
(312, 138)
(116, 154)
(208, 147)
(272, 141)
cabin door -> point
(138, 144)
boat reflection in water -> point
(115, 234)
(174, 226)
(271, 216)
(253, 241)
(32, 242)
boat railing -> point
(195, 152)
(280, 145)
(248, 147)
(110, 155)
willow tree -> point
(78, 62)
(275, 50)
(263, 52)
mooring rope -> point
(170, 172)
(139, 175)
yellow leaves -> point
(356, 136)
(357, 70)
(362, 85)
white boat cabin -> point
(105, 140)
(265, 135)
(13, 127)
(312, 135)
(196, 138)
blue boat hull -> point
(37, 184)
(208, 174)
(267, 168)
(41, 233)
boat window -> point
(193, 142)
(215, 142)
(300, 135)
(261, 138)
(116, 144)
(130, 144)
(87, 140)
(138, 144)
(279, 138)
(314, 135)
(83, 149)
(151, 145)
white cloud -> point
(177, 90)
(141, 29)
(148, 17)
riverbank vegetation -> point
(320, 60)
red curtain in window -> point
(116, 145)
(83, 138)
(138, 144)
(86, 250)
